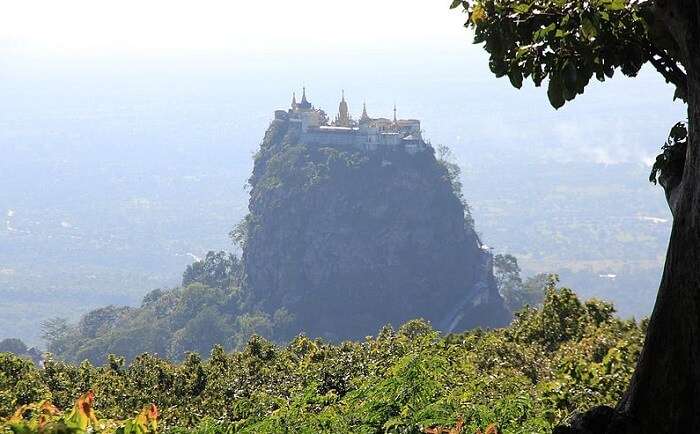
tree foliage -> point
(13, 345)
(552, 361)
(516, 293)
(453, 173)
(217, 270)
(568, 42)
(43, 417)
(208, 309)
(669, 164)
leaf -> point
(542, 33)
(82, 414)
(459, 426)
(588, 29)
(478, 14)
(46, 407)
(569, 75)
(521, 8)
(522, 51)
(516, 78)
(680, 93)
(679, 132)
(146, 422)
(455, 3)
(617, 5)
(555, 92)
(608, 70)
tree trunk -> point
(664, 394)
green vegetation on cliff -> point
(207, 310)
(347, 240)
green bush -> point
(564, 357)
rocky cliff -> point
(348, 241)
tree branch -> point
(669, 69)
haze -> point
(88, 27)
(127, 130)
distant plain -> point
(114, 179)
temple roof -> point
(364, 116)
(304, 104)
(343, 119)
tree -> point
(567, 42)
(99, 321)
(56, 331)
(13, 345)
(533, 289)
(507, 273)
(453, 172)
(201, 333)
(216, 270)
(516, 293)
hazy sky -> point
(85, 58)
(173, 26)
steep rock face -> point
(348, 241)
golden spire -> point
(343, 119)
(395, 121)
(304, 104)
(364, 111)
(294, 100)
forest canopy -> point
(564, 357)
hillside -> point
(347, 240)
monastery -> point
(366, 134)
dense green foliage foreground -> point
(564, 357)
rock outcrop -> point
(347, 241)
